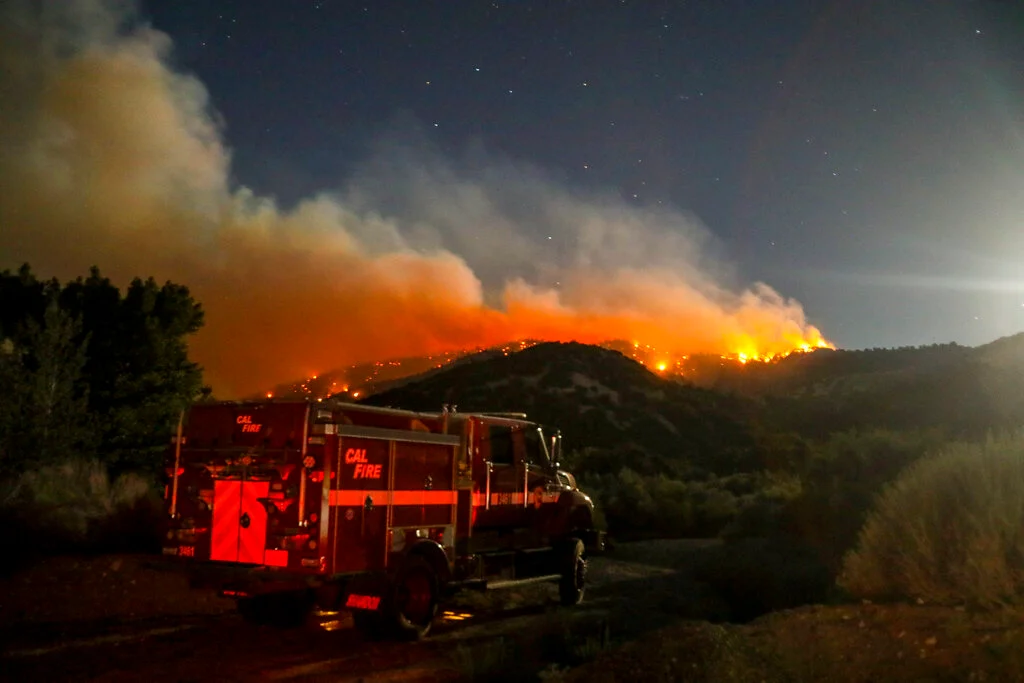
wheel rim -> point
(581, 572)
(415, 598)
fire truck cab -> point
(291, 505)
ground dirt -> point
(844, 643)
(653, 611)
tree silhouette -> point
(132, 361)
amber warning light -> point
(247, 424)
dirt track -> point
(135, 625)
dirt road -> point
(135, 626)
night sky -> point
(865, 160)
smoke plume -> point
(112, 157)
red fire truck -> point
(291, 505)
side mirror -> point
(556, 449)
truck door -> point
(499, 500)
(543, 488)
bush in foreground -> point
(947, 530)
(74, 506)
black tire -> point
(573, 567)
(413, 599)
(280, 610)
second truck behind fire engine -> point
(291, 505)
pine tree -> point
(44, 413)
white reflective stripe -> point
(357, 498)
(480, 499)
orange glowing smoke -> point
(139, 183)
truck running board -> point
(480, 584)
(522, 582)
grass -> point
(74, 506)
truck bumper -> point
(593, 540)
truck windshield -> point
(536, 449)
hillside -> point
(363, 379)
(604, 400)
(600, 400)
(962, 391)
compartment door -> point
(239, 521)
(252, 522)
(227, 509)
(423, 495)
(360, 503)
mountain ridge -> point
(613, 405)
(603, 401)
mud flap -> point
(365, 593)
(365, 597)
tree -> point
(134, 380)
(138, 369)
(44, 412)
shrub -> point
(948, 530)
(759, 513)
(639, 506)
(74, 506)
(842, 479)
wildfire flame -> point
(666, 363)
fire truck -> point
(292, 505)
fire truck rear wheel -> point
(414, 598)
(574, 573)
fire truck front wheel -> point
(574, 573)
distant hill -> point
(963, 391)
(705, 411)
(603, 401)
(715, 419)
(362, 379)
(1006, 352)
